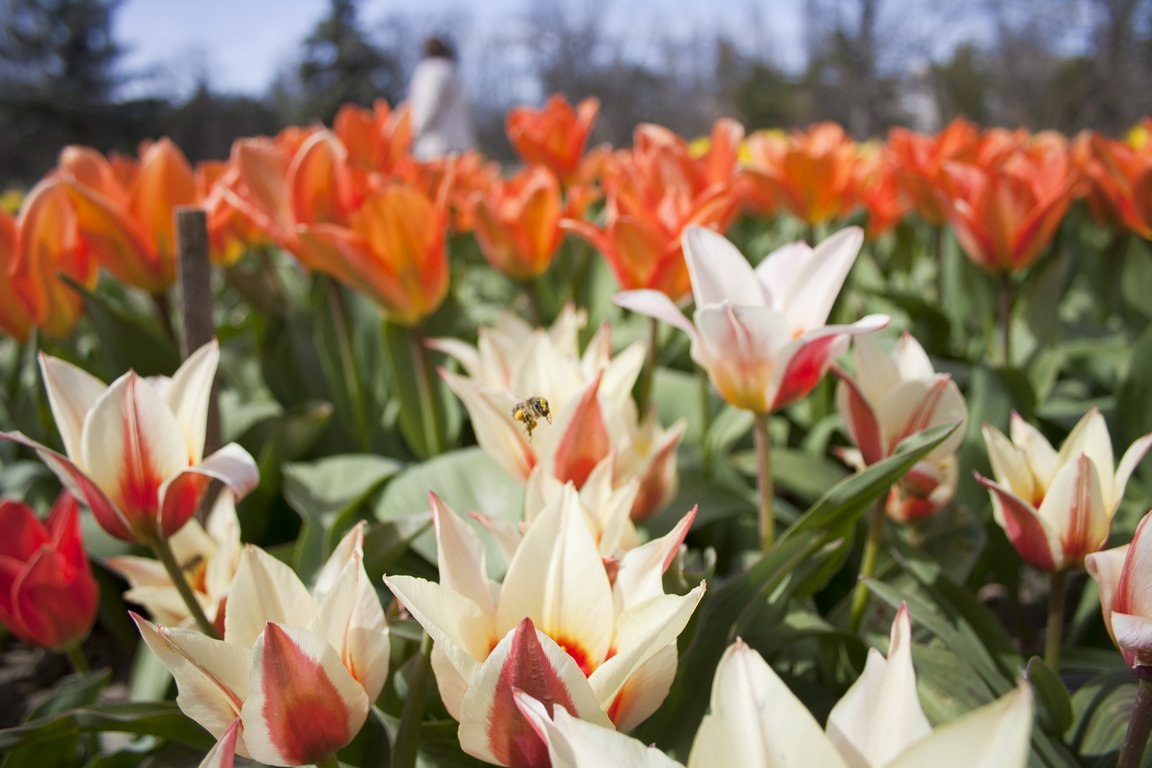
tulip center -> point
(578, 653)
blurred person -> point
(441, 116)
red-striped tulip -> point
(605, 647)
(134, 451)
(47, 594)
(1125, 578)
(293, 679)
(760, 333)
(1057, 507)
(890, 398)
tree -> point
(340, 64)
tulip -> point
(47, 594)
(809, 173)
(36, 249)
(1123, 574)
(891, 398)
(134, 450)
(518, 223)
(760, 333)
(554, 136)
(607, 647)
(293, 679)
(756, 721)
(1121, 183)
(209, 556)
(127, 220)
(654, 191)
(920, 163)
(594, 419)
(1056, 508)
(876, 186)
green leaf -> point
(425, 400)
(1053, 704)
(326, 494)
(128, 341)
(848, 499)
(1101, 709)
(76, 690)
(161, 719)
(467, 480)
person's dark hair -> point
(438, 48)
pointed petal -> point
(1090, 437)
(223, 754)
(652, 303)
(641, 572)
(1134, 594)
(72, 392)
(996, 735)
(859, 418)
(297, 678)
(180, 496)
(265, 590)
(1128, 463)
(755, 720)
(492, 727)
(460, 554)
(1107, 568)
(1010, 465)
(1042, 460)
(880, 715)
(918, 404)
(1037, 543)
(585, 438)
(1074, 508)
(189, 392)
(718, 270)
(497, 433)
(461, 630)
(211, 675)
(809, 298)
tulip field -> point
(763, 448)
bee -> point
(529, 410)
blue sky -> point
(243, 43)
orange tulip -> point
(920, 159)
(876, 186)
(518, 223)
(127, 222)
(1120, 192)
(553, 136)
(808, 173)
(35, 250)
(379, 139)
(1004, 213)
(655, 191)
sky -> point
(242, 44)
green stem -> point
(648, 374)
(77, 658)
(164, 553)
(867, 564)
(1054, 635)
(407, 745)
(938, 258)
(163, 306)
(331, 762)
(1006, 319)
(340, 321)
(1139, 725)
(764, 483)
(431, 414)
(704, 389)
(532, 293)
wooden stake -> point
(197, 325)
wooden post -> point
(197, 324)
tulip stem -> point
(1054, 635)
(404, 751)
(1139, 726)
(764, 483)
(163, 306)
(331, 762)
(77, 658)
(342, 324)
(431, 414)
(164, 553)
(532, 293)
(648, 374)
(704, 389)
(1006, 318)
(867, 564)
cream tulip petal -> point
(778, 271)
(131, 445)
(1074, 508)
(449, 682)
(500, 437)
(1134, 589)
(223, 753)
(654, 304)
(188, 394)
(645, 689)
(576, 743)
(296, 679)
(1106, 568)
(1009, 464)
(880, 715)
(910, 359)
(557, 579)
(996, 735)
(641, 573)
(165, 605)
(1090, 437)
(350, 618)
(461, 351)
(876, 373)
(719, 272)
(1128, 463)
(461, 630)
(620, 375)
(810, 297)
(211, 675)
(140, 571)
(349, 550)
(491, 726)
(917, 404)
(755, 720)
(265, 590)
(460, 554)
(641, 632)
(860, 419)
(1134, 634)
(72, 392)
(1042, 460)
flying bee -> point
(529, 410)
